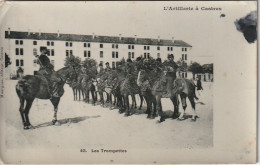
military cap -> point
(107, 63)
(170, 56)
(42, 48)
(100, 64)
(128, 60)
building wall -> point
(78, 50)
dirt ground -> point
(84, 125)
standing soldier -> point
(47, 70)
(171, 68)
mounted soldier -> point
(107, 67)
(47, 70)
(171, 68)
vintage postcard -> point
(129, 82)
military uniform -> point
(47, 70)
(171, 68)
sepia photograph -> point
(128, 82)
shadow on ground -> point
(67, 121)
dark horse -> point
(31, 87)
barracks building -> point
(22, 47)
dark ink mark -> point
(247, 25)
(222, 15)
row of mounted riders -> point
(147, 78)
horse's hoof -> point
(180, 119)
(152, 117)
(162, 119)
(26, 127)
(57, 123)
(194, 119)
(126, 114)
(54, 121)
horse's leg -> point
(133, 101)
(79, 94)
(184, 105)
(158, 108)
(26, 113)
(74, 94)
(175, 102)
(194, 115)
(21, 109)
(93, 97)
(141, 99)
(101, 98)
(55, 102)
(127, 113)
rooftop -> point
(94, 38)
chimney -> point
(120, 37)
(29, 32)
(135, 37)
(173, 39)
(159, 40)
(58, 33)
(93, 36)
(9, 32)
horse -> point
(153, 84)
(185, 88)
(31, 87)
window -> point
(182, 75)
(133, 55)
(113, 54)
(144, 55)
(116, 46)
(48, 43)
(148, 47)
(34, 42)
(113, 46)
(133, 46)
(185, 56)
(34, 51)
(16, 42)
(116, 54)
(17, 62)
(67, 52)
(71, 52)
(144, 47)
(182, 49)
(21, 42)
(129, 54)
(89, 54)
(171, 48)
(89, 45)
(21, 62)
(67, 44)
(168, 48)
(85, 44)
(101, 54)
(148, 55)
(185, 74)
(52, 52)
(70, 44)
(101, 62)
(17, 51)
(129, 46)
(52, 43)
(101, 45)
(158, 55)
(21, 51)
(158, 47)
(85, 53)
(182, 57)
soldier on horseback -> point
(171, 68)
(47, 70)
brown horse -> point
(153, 85)
(31, 87)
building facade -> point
(22, 48)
